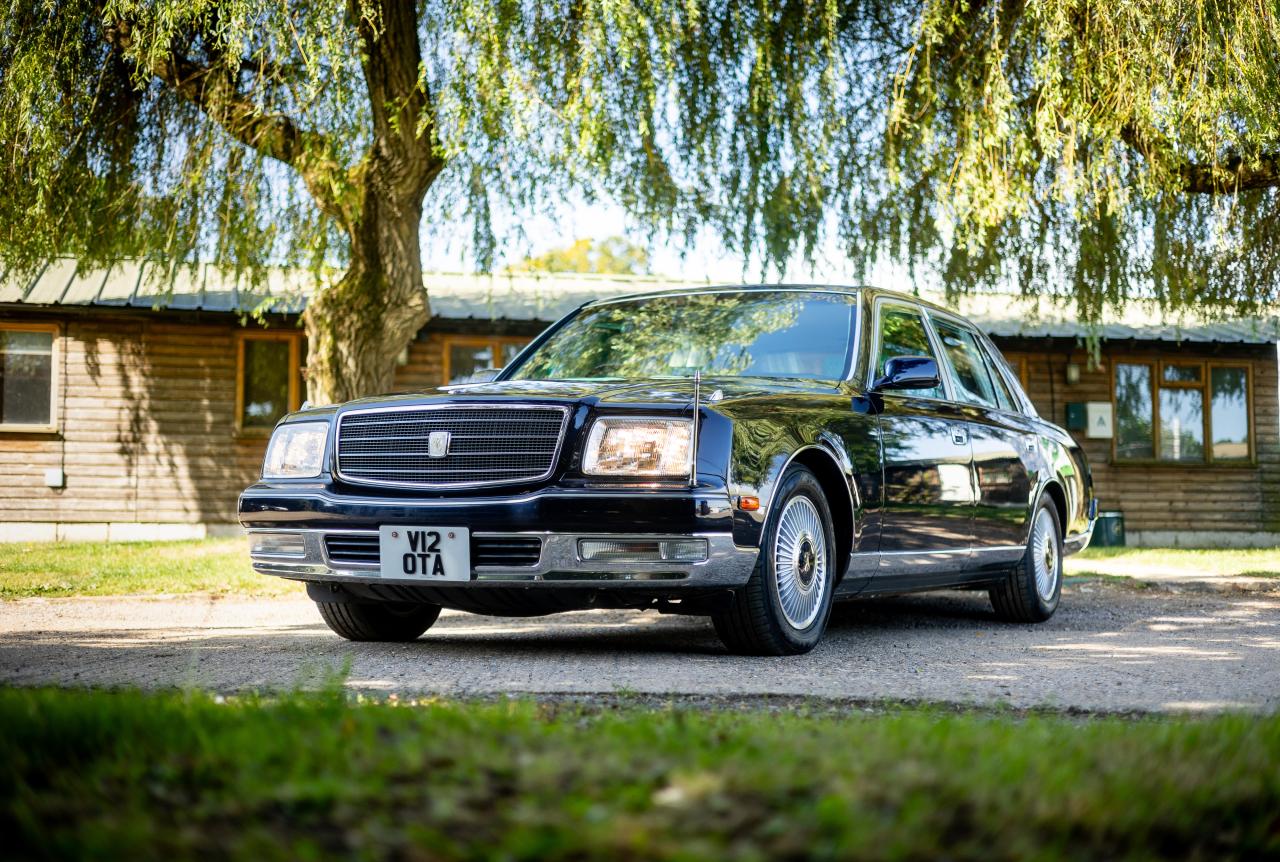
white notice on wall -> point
(1098, 417)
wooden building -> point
(133, 407)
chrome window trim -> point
(872, 357)
(565, 412)
(964, 325)
(990, 351)
(1026, 408)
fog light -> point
(642, 550)
(276, 545)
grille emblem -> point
(438, 444)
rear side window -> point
(969, 371)
(902, 333)
(1008, 381)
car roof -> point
(838, 289)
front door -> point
(1003, 446)
(928, 482)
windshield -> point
(739, 334)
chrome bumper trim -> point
(1077, 543)
(727, 564)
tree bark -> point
(357, 327)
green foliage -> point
(176, 776)
(613, 255)
(1096, 150)
(1085, 150)
(50, 569)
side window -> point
(902, 333)
(968, 367)
(1005, 396)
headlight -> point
(296, 451)
(638, 447)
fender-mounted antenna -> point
(697, 410)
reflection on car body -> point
(748, 453)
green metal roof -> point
(547, 297)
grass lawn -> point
(123, 568)
(222, 566)
(132, 776)
(1147, 562)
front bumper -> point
(318, 515)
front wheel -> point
(783, 609)
(1031, 592)
(379, 621)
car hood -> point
(657, 392)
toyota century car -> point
(752, 454)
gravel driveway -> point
(1109, 648)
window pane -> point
(466, 359)
(1229, 416)
(510, 349)
(1133, 412)
(1181, 425)
(1182, 374)
(266, 382)
(26, 377)
(733, 334)
(902, 333)
(968, 371)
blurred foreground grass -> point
(175, 776)
(127, 568)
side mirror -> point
(908, 372)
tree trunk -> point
(358, 327)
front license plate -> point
(426, 553)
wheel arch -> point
(1054, 491)
(837, 485)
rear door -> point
(1004, 449)
(928, 488)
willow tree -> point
(1095, 151)
(254, 133)
(1080, 148)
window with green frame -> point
(1182, 412)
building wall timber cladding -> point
(147, 425)
(1159, 497)
(146, 428)
(425, 368)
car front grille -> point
(505, 551)
(487, 445)
(353, 548)
(509, 551)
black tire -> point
(755, 622)
(1018, 599)
(378, 621)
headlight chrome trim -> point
(296, 451)
(666, 450)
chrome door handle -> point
(959, 435)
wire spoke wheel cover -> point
(800, 562)
(1045, 557)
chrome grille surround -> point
(491, 444)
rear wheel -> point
(378, 621)
(784, 608)
(1031, 592)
